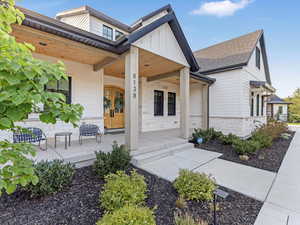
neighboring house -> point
(238, 97)
(141, 77)
(277, 108)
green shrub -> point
(274, 128)
(129, 215)
(181, 203)
(264, 139)
(111, 162)
(228, 139)
(121, 189)
(194, 186)
(53, 176)
(207, 135)
(187, 219)
(246, 146)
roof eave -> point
(203, 78)
(224, 69)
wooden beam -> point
(106, 61)
(163, 76)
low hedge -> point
(111, 162)
(121, 189)
(53, 176)
(129, 215)
(194, 186)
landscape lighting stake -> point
(218, 193)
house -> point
(142, 77)
(238, 98)
(277, 108)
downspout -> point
(208, 86)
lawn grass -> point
(298, 124)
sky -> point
(207, 22)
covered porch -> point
(83, 155)
(153, 62)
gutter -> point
(203, 78)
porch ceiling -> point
(52, 45)
(150, 64)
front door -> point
(113, 107)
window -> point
(61, 86)
(158, 103)
(118, 35)
(252, 105)
(107, 32)
(257, 105)
(257, 58)
(262, 105)
(171, 104)
(280, 110)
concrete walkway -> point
(282, 206)
(247, 180)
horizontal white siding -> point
(230, 103)
(149, 122)
(80, 21)
(226, 94)
(96, 27)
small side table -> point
(66, 135)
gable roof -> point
(232, 54)
(56, 27)
(274, 99)
(95, 13)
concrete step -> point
(159, 146)
(141, 159)
(81, 160)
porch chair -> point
(32, 135)
(87, 130)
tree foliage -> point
(22, 82)
(294, 108)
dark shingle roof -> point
(56, 27)
(231, 53)
(274, 99)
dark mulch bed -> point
(79, 204)
(268, 159)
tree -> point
(22, 81)
(294, 108)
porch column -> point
(131, 99)
(185, 102)
(205, 105)
(101, 90)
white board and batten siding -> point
(162, 42)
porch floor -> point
(84, 154)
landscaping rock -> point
(244, 157)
